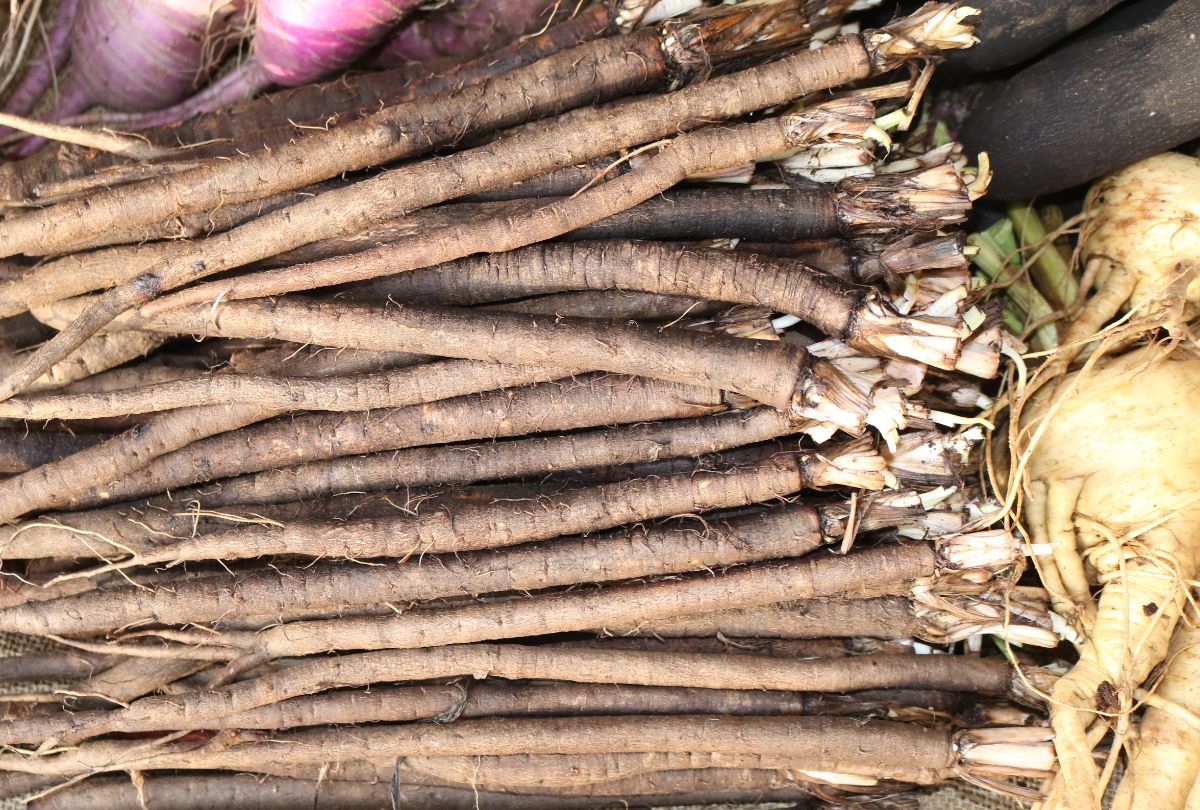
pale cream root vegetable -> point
(1110, 457)
(1144, 236)
(1166, 753)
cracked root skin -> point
(1135, 523)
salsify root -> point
(664, 783)
(851, 261)
(873, 748)
(490, 698)
(744, 216)
(773, 373)
(503, 699)
(201, 792)
(426, 382)
(467, 463)
(912, 202)
(50, 484)
(587, 401)
(849, 313)
(551, 772)
(416, 791)
(930, 28)
(192, 709)
(508, 522)
(630, 774)
(788, 531)
(958, 600)
(865, 259)
(868, 573)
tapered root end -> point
(848, 392)
(855, 464)
(925, 200)
(933, 28)
(878, 330)
(933, 458)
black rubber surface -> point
(1011, 31)
(1124, 91)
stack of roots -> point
(590, 425)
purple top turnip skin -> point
(39, 75)
(295, 42)
(301, 41)
(464, 29)
(137, 55)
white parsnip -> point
(1124, 479)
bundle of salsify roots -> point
(590, 425)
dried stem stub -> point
(923, 200)
(931, 28)
(845, 390)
